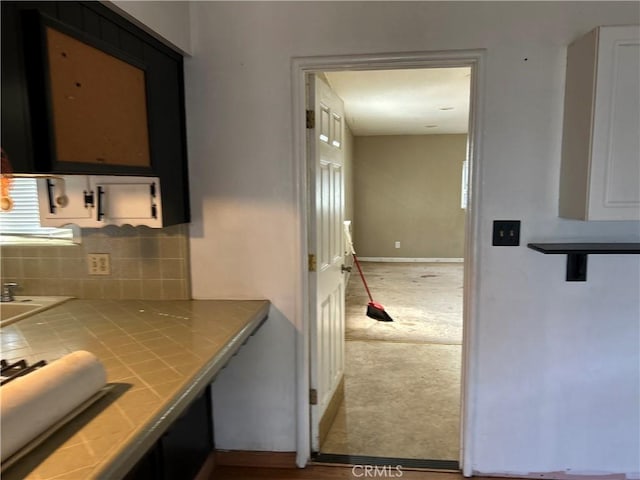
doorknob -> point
(343, 268)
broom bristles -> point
(377, 312)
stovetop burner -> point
(11, 371)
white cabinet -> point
(600, 176)
(127, 200)
(99, 200)
(64, 200)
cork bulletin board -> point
(98, 104)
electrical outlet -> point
(397, 244)
(99, 264)
(506, 233)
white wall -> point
(557, 364)
(169, 21)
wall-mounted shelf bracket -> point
(577, 254)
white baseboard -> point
(411, 260)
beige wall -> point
(146, 263)
(407, 189)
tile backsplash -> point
(146, 263)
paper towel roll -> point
(31, 404)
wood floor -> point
(321, 472)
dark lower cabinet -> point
(183, 448)
(148, 468)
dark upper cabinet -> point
(84, 91)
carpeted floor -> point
(400, 401)
(424, 300)
(402, 380)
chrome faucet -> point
(7, 291)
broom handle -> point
(355, 259)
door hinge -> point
(311, 119)
(312, 263)
(313, 396)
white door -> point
(326, 242)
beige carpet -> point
(424, 300)
(402, 380)
(401, 401)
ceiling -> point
(404, 102)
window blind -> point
(23, 219)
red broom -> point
(374, 310)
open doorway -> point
(405, 157)
(302, 69)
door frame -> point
(300, 68)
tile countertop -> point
(159, 356)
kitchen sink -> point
(24, 306)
